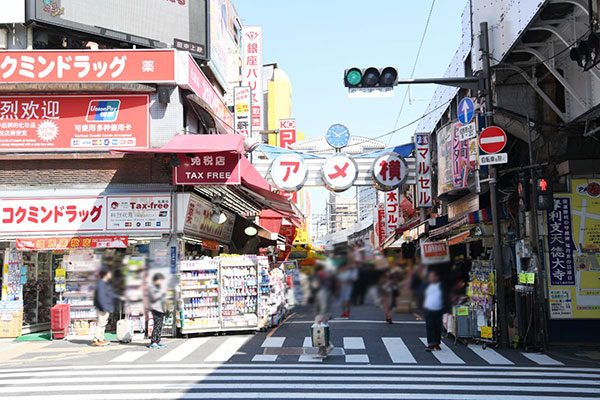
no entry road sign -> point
(492, 140)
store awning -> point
(196, 144)
(397, 239)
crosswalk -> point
(347, 350)
(294, 381)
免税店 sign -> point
(435, 252)
(42, 123)
(54, 66)
(222, 168)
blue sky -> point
(314, 41)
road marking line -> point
(445, 356)
(307, 342)
(129, 356)
(354, 343)
(309, 358)
(357, 358)
(398, 351)
(183, 350)
(265, 358)
(227, 349)
(490, 356)
(542, 359)
(273, 342)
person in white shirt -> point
(434, 306)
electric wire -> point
(413, 68)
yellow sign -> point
(302, 235)
(582, 299)
(242, 108)
(486, 332)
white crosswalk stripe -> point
(226, 350)
(489, 355)
(308, 381)
(273, 342)
(354, 343)
(445, 356)
(542, 359)
(183, 350)
(129, 356)
(398, 351)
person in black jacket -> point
(104, 301)
(435, 304)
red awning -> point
(197, 144)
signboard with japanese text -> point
(150, 23)
(392, 212)
(389, 171)
(78, 242)
(444, 159)
(242, 97)
(289, 172)
(287, 132)
(208, 169)
(202, 87)
(461, 162)
(139, 213)
(58, 123)
(423, 160)
(198, 222)
(435, 252)
(339, 172)
(573, 252)
(23, 216)
(81, 66)
(463, 206)
(492, 159)
(252, 74)
(381, 224)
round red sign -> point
(492, 140)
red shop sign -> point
(79, 242)
(50, 66)
(208, 169)
(43, 123)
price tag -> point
(530, 277)
(462, 311)
(522, 278)
(486, 332)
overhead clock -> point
(337, 136)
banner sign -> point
(444, 159)
(54, 66)
(423, 159)
(43, 123)
(435, 252)
(198, 222)
(242, 97)
(252, 74)
(79, 242)
(560, 243)
(287, 132)
(381, 223)
(389, 171)
(212, 245)
(392, 212)
(219, 168)
(139, 213)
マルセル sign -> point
(51, 123)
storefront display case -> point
(82, 268)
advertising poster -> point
(43, 123)
(139, 213)
(242, 97)
(444, 156)
(573, 252)
(462, 160)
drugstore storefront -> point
(53, 243)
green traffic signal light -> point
(353, 77)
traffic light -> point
(523, 189)
(544, 197)
(370, 77)
(587, 54)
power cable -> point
(412, 74)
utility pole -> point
(498, 261)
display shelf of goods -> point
(199, 299)
(81, 268)
(239, 292)
(133, 276)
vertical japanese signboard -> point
(242, 98)
(573, 252)
(423, 158)
(444, 159)
(287, 132)
(392, 212)
(381, 223)
(252, 71)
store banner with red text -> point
(252, 75)
(392, 212)
(79, 242)
(423, 159)
(287, 133)
(101, 122)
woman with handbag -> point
(157, 306)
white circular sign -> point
(289, 172)
(339, 172)
(389, 171)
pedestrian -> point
(157, 296)
(104, 301)
(435, 304)
(346, 278)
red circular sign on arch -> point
(492, 140)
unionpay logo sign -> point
(103, 110)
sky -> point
(314, 41)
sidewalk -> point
(588, 353)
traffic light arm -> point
(469, 82)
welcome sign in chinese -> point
(50, 123)
(560, 243)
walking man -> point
(104, 301)
(437, 301)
